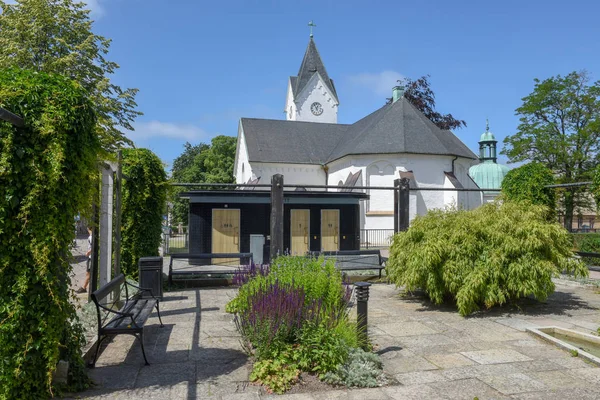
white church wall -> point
(292, 173)
(242, 170)
(428, 171)
(290, 106)
(316, 91)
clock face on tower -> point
(316, 108)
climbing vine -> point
(44, 170)
(144, 198)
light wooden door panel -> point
(226, 234)
(330, 230)
(300, 231)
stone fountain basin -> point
(549, 334)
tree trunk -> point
(569, 203)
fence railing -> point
(373, 238)
(175, 240)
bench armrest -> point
(384, 260)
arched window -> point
(381, 173)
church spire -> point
(487, 145)
(312, 63)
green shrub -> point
(487, 256)
(587, 242)
(144, 200)
(595, 189)
(45, 170)
(318, 278)
(527, 183)
(293, 317)
(362, 369)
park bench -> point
(354, 260)
(204, 270)
(123, 316)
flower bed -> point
(293, 316)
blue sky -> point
(202, 65)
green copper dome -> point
(488, 175)
(487, 135)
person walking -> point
(88, 262)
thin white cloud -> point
(155, 129)
(380, 83)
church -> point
(396, 141)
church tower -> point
(311, 95)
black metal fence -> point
(175, 240)
(375, 238)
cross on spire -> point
(311, 24)
(487, 125)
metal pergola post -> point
(14, 119)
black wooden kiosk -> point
(239, 221)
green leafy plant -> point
(527, 183)
(277, 374)
(589, 243)
(595, 189)
(488, 256)
(144, 199)
(362, 369)
(574, 353)
(44, 169)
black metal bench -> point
(123, 316)
(354, 260)
(192, 270)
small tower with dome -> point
(488, 174)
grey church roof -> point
(311, 63)
(395, 128)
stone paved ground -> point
(428, 352)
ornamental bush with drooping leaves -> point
(527, 183)
(144, 200)
(44, 173)
(489, 256)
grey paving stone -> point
(591, 375)
(166, 374)
(451, 360)
(420, 377)
(427, 341)
(567, 361)
(407, 364)
(557, 379)
(495, 356)
(330, 395)
(114, 376)
(536, 366)
(561, 394)
(466, 389)
(413, 392)
(513, 383)
(398, 329)
(370, 393)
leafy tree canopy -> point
(419, 93)
(560, 128)
(55, 36)
(201, 163)
(528, 182)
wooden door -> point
(300, 230)
(226, 234)
(330, 230)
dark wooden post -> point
(403, 204)
(276, 216)
(93, 285)
(396, 205)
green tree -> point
(144, 199)
(187, 168)
(201, 164)
(528, 182)
(55, 36)
(219, 159)
(44, 170)
(596, 187)
(560, 128)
